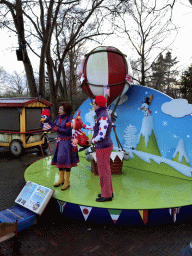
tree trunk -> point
(42, 73)
(19, 24)
(142, 70)
(30, 76)
(71, 75)
(52, 85)
(64, 87)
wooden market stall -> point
(20, 123)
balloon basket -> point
(115, 164)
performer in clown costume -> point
(64, 156)
(104, 145)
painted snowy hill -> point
(146, 140)
(157, 164)
(180, 154)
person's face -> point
(95, 106)
(61, 111)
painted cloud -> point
(177, 108)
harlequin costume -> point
(64, 156)
(104, 146)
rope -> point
(100, 85)
(106, 50)
(117, 139)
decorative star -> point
(165, 123)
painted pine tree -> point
(130, 137)
(180, 154)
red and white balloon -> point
(105, 71)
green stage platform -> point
(134, 189)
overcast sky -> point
(181, 48)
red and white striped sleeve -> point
(89, 127)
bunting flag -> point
(86, 210)
(114, 213)
(61, 205)
(145, 214)
(173, 212)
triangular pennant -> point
(173, 212)
(61, 205)
(145, 215)
(114, 214)
(85, 211)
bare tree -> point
(147, 27)
(52, 30)
(16, 83)
(13, 83)
(2, 80)
(15, 10)
(75, 26)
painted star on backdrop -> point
(165, 123)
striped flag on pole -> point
(106, 90)
(128, 78)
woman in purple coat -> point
(64, 156)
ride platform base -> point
(141, 198)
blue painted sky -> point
(168, 130)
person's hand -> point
(90, 141)
(74, 142)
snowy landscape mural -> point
(159, 140)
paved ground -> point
(53, 236)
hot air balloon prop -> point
(105, 71)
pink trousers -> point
(104, 170)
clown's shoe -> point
(66, 183)
(61, 179)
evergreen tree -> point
(164, 74)
(186, 84)
(170, 73)
(158, 74)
